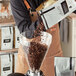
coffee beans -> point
(36, 54)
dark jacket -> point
(22, 16)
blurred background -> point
(10, 36)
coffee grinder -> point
(35, 51)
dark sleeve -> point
(22, 17)
(35, 3)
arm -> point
(22, 17)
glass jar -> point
(35, 49)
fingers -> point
(53, 28)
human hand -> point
(53, 28)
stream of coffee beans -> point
(37, 50)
